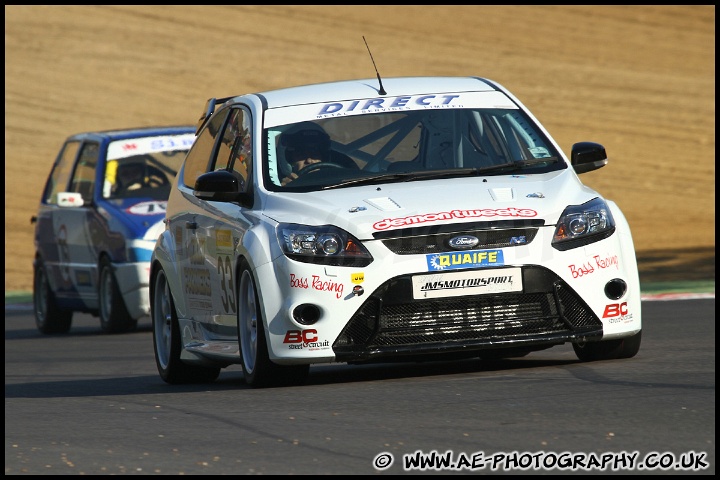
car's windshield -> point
(145, 166)
(405, 145)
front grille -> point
(434, 239)
(391, 322)
(439, 242)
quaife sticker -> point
(469, 259)
(456, 284)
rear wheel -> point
(609, 349)
(167, 340)
(114, 316)
(49, 318)
(257, 367)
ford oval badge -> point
(463, 242)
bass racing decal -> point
(469, 259)
(443, 285)
(453, 215)
(316, 283)
(598, 262)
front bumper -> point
(391, 324)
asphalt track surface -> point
(92, 403)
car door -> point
(51, 235)
(195, 298)
(70, 224)
(220, 225)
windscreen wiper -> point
(368, 180)
(433, 174)
(515, 165)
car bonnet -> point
(142, 218)
(366, 210)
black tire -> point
(609, 349)
(49, 318)
(167, 341)
(258, 369)
(114, 316)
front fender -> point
(166, 256)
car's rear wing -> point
(209, 110)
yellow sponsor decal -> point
(178, 239)
(357, 278)
(223, 238)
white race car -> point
(385, 220)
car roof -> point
(370, 87)
(122, 133)
(343, 90)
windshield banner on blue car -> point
(141, 145)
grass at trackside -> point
(705, 286)
(646, 288)
(18, 297)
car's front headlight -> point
(583, 224)
(326, 245)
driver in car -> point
(304, 148)
(130, 176)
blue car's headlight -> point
(583, 224)
(326, 245)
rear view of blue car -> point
(99, 217)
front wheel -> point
(167, 340)
(49, 318)
(609, 349)
(258, 369)
(114, 316)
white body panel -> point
(204, 240)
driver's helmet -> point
(304, 141)
(130, 172)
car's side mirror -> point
(587, 156)
(223, 186)
(69, 199)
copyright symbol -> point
(383, 461)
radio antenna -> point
(382, 90)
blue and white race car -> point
(99, 216)
(360, 221)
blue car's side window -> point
(60, 176)
(83, 181)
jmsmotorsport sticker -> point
(455, 284)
